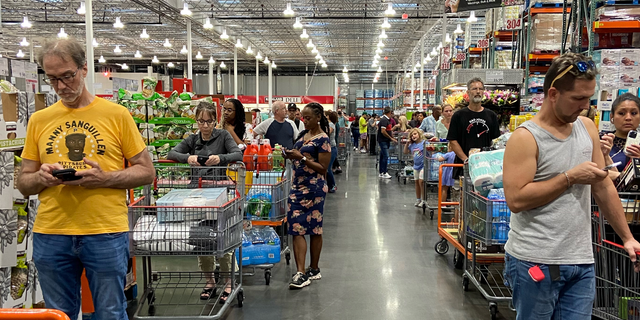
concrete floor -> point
(378, 262)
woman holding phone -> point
(311, 156)
(625, 116)
(219, 148)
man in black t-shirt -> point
(472, 127)
(384, 140)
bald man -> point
(278, 129)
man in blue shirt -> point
(429, 123)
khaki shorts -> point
(418, 174)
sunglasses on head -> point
(581, 66)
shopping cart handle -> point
(33, 314)
(619, 246)
(166, 161)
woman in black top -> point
(234, 120)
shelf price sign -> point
(514, 24)
(483, 43)
(445, 66)
(461, 56)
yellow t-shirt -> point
(103, 132)
(363, 125)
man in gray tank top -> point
(552, 166)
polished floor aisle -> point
(378, 262)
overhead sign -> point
(453, 6)
(284, 99)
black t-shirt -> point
(280, 133)
(384, 123)
(473, 129)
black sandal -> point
(225, 295)
(207, 292)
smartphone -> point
(202, 160)
(632, 138)
(66, 174)
(611, 166)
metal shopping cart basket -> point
(617, 285)
(266, 206)
(432, 176)
(405, 170)
(486, 226)
(198, 212)
(343, 140)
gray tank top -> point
(560, 231)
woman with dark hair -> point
(311, 156)
(234, 121)
(220, 148)
(333, 120)
(625, 116)
(355, 131)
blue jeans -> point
(331, 180)
(355, 133)
(60, 260)
(384, 156)
(569, 298)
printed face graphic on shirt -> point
(80, 139)
(478, 127)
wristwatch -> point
(303, 161)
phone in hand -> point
(66, 174)
(202, 160)
(611, 166)
(632, 138)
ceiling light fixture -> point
(375, 80)
(390, 11)
(379, 69)
(273, 65)
(345, 70)
(310, 44)
(385, 24)
(249, 50)
(185, 10)
(95, 43)
(434, 52)
(380, 44)
(418, 65)
(378, 51)
(427, 59)
(82, 10)
(447, 38)
(117, 49)
(377, 56)
(24, 42)
(304, 34)
(25, 23)
(289, 12)
(20, 54)
(324, 65)
(211, 60)
(199, 56)
(207, 24)
(374, 64)
(102, 60)
(315, 50)
(138, 54)
(259, 56)
(239, 44)
(298, 24)
(383, 35)
(144, 34)
(318, 57)
(224, 35)
(125, 66)
(184, 49)
(222, 65)
(170, 65)
(440, 45)
(266, 60)
(166, 43)
(155, 60)
(118, 24)
(472, 17)
(458, 30)
(62, 34)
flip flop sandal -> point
(207, 293)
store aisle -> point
(378, 262)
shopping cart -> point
(266, 205)
(405, 170)
(448, 224)
(210, 225)
(344, 143)
(617, 285)
(396, 154)
(431, 176)
(486, 226)
(32, 314)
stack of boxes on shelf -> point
(496, 20)
(621, 38)
(359, 101)
(475, 31)
(373, 101)
(546, 35)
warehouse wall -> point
(282, 85)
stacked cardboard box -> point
(546, 34)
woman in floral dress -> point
(310, 155)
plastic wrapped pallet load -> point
(547, 33)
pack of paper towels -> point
(485, 170)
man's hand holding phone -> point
(46, 174)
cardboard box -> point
(547, 33)
(181, 198)
(629, 74)
(13, 123)
(629, 57)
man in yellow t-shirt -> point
(363, 132)
(81, 224)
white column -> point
(421, 71)
(31, 55)
(190, 57)
(150, 71)
(270, 85)
(88, 20)
(235, 72)
(211, 78)
(412, 79)
(257, 83)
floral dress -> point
(306, 199)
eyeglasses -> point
(207, 122)
(477, 89)
(66, 79)
(581, 66)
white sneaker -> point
(421, 204)
(363, 151)
(386, 176)
(418, 203)
(381, 175)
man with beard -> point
(473, 127)
(552, 165)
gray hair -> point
(276, 105)
(64, 49)
(474, 80)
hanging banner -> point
(453, 6)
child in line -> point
(447, 172)
(415, 146)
